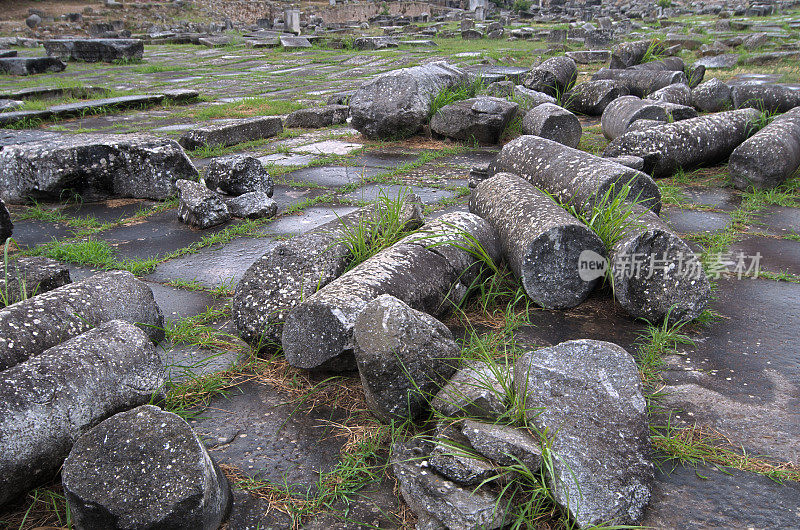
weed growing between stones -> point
(453, 94)
(7, 298)
(45, 506)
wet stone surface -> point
(693, 221)
(777, 255)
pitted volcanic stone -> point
(477, 390)
(30, 327)
(252, 205)
(656, 275)
(48, 401)
(26, 277)
(94, 165)
(94, 50)
(631, 53)
(31, 65)
(199, 206)
(641, 83)
(504, 444)
(453, 459)
(295, 269)
(482, 119)
(553, 76)
(141, 469)
(668, 64)
(397, 103)
(237, 175)
(676, 93)
(588, 394)
(770, 98)
(554, 123)
(6, 226)
(592, 97)
(623, 111)
(541, 242)
(528, 98)
(712, 96)
(404, 356)
(688, 143)
(571, 175)
(426, 270)
(769, 157)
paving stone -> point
(332, 176)
(694, 222)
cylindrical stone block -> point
(48, 401)
(770, 98)
(144, 469)
(541, 242)
(628, 54)
(770, 156)
(688, 143)
(656, 274)
(668, 64)
(592, 97)
(29, 327)
(676, 93)
(641, 82)
(554, 123)
(554, 76)
(426, 270)
(622, 112)
(573, 176)
(299, 267)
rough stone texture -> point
(439, 503)
(6, 226)
(199, 206)
(712, 96)
(294, 43)
(10, 104)
(554, 123)
(51, 399)
(592, 97)
(95, 50)
(477, 390)
(503, 444)
(481, 119)
(404, 356)
(727, 60)
(541, 242)
(631, 53)
(317, 117)
(295, 269)
(771, 98)
(237, 175)
(452, 459)
(553, 76)
(676, 93)
(573, 176)
(642, 82)
(668, 64)
(29, 327)
(589, 395)
(672, 284)
(252, 205)
(231, 132)
(589, 56)
(633, 162)
(96, 166)
(677, 112)
(688, 143)
(425, 270)
(639, 125)
(396, 104)
(374, 43)
(31, 65)
(770, 156)
(26, 277)
(144, 468)
(528, 98)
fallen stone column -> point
(592, 97)
(47, 402)
(688, 143)
(297, 268)
(622, 112)
(30, 327)
(668, 64)
(677, 93)
(163, 476)
(554, 76)
(425, 270)
(571, 175)
(655, 273)
(628, 54)
(771, 98)
(770, 156)
(396, 104)
(641, 83)
(712, 96)
(541, 242)
(554, 123)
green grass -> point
(456, 93)
(246, 108)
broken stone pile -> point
(246, 192)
